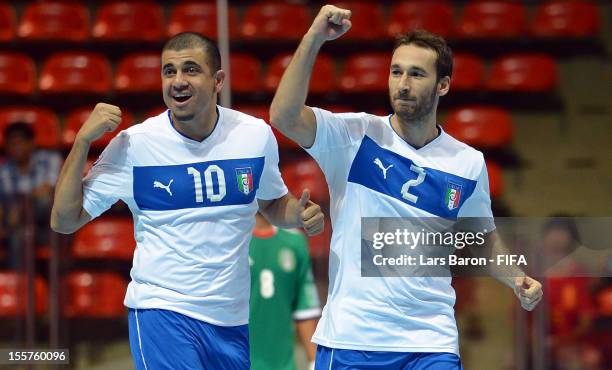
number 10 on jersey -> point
(208, 183)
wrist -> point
(82, 141)
(313, 39)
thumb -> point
(305, 198)
(518, 282)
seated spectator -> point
(26, 173)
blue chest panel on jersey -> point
(205, 184)
(437, 192)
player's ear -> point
(443, 86)
(219, 79)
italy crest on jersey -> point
(244, 176)
(453, 195)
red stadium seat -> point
(14, 294)
(154, 112)
(138, 73)
(480, 126)
(435, 16)
(245, 73)
(468, 71)
(524, 72)
(337, 108)
(45, 122)
(496, 181)
(77, 117)
(94, 295)
(323, 78)
(367, 20)
(200, 18)
(365, 73)
(275, 21)
(129, 21)
(304, 173)
(604, 302)
(17, 74)
(55, 21)
(263, 112)
(492, 19)
(111, 238)
(8, 21)
(566, 19)
(75, 72)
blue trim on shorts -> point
(347, 359)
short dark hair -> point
(189, 40)
(428, 40)
(565, 223)
(19, 128)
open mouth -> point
(181, 98)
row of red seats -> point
(86, 72)
(483, 127)
(100, 295)
(144, 20)
(85, 294)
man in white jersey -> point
(193, 178)
(402, 165)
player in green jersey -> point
(282, 293)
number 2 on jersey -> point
(414, 182)
(208, 180)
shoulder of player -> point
(462, 149)
(242, 119)
(294, 237)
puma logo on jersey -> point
(384, 170)
(157, 184)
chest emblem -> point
(244, 176)
(453, 195)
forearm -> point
(292, 90)
(282, 212)
(68, 201)
(305, 330)
(506, 274)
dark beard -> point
(422, 109)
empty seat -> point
(138, 73)
(492, 19)
(468, 71)
(566, 19)
(367, 72)
(129, 21)
(523, 72)
(245, 73)
(434, 16)
(154, 112)
(496, 181)
(275, 21)
(45, 123)
(76, 72)
(105, 237)
(200, 18)
(337, 108)
(17, 74)
(367, 21)
(304, 173)
(77, 117)
(480, 126)
(54, 20)
(323, 77)
(93, 295)
(8, 21)
(14, 294)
